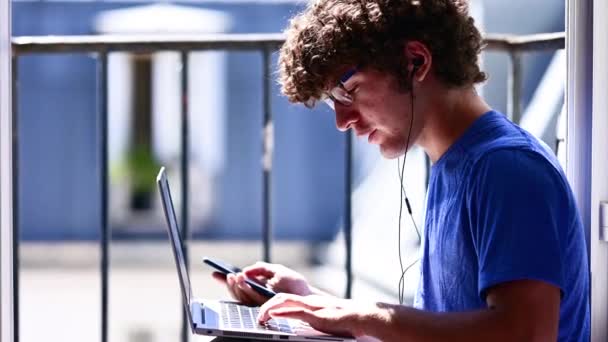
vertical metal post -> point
(267, 148)
(15, 151)
(102, 77)
(185, 174)
(348, 144)
(514, 108)
(427, 170)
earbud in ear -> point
(416, 63)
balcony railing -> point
(266, 44)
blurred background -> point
(59, 164)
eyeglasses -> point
(339, 93)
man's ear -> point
(417, 62)
(419, 59)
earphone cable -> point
(399, 230)
(402, 195)
(407, 202)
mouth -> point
(363, 133)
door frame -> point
(587, 139)
(6, 186)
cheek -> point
(390, 111)
(385, 110)
(392, 121)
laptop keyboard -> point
(236, 316)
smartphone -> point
(226, 268)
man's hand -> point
(524, 310)
(328, 314)
(275, 277)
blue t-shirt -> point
(499, 208)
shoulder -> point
(502, 143)
(513, 160)
(517, 169)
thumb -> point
(300, 313)
(221, 277)
(258, 270)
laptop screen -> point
(176, 240)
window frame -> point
(6, 208)
(587, 139)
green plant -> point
(142, 169)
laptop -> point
(227, 318)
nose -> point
(345, 117)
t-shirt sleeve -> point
(517, 212)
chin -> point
(390, 153)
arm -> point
(524, 310)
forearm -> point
(400, 323)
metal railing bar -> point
(514, 102)
(185, 147)
(348, 149)
(532, 42)
(228, 41)
(97, 43)
(267, 157)
(102, 62)
(16, 188)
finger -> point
(246, 290)
(221, 277)
(302, 314)
(316, 321)
(244, 298)
(259, 269)
(284, 300)
(230, 285)
(236, 292)
(274, 302)
(243, 292)
(241, 277)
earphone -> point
(417, 62)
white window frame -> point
(587, 139)
(599, 170)
(6, 191)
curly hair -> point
(331, 34)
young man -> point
(504, 255)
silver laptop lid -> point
(176, 240)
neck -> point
(448, 120)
